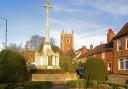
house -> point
(105, 51)
(120, 46)
(80, 54)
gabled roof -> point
(80, 55)
(101, 48)
(122, 32)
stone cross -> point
(47, 7)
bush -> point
(28, 85)
(81, 84)
(3, 86)
(76, 83)
(112, 85)
(37, 85)
(12, 67)
(95, 69)
(67, 65)
(95, 84)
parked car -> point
(80, 72)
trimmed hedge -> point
(95, 84)
(28, 85)
(12, 67)
(67, 65)
(112, 85)
(81, 83)
(95, 69)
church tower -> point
(67, 41)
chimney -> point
(91, 47)
(110, 35)
(84, 49)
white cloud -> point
(56, 35)
(85, 33)
(67, 9)
(82, 40)
(114, 7)
(117, 7)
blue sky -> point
(89, 19)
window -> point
(119, 45)
(127, 43)
(123, 64)
(68, 40)
(126, 63)
(103, 55)
(109, 66)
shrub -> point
(67, 65)
(111, 85)
(28, 85)
(3, 86)
(76, 83)
(95, 69)
(12, 67)
(81, 83)
(95, 84)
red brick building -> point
(81, 54)
(105, 51)
(120, 46)
(115, 51)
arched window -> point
(68, 40)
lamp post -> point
(5, 31)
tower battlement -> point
(67, 41)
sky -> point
(89, 19)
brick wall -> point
(118, 54)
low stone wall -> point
(54, 77)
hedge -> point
(27, 85)
(95, 69)
(12, 67)
(47, 71)
(81, 83)
(95, 84)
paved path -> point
(60, 86)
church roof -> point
(122, 32)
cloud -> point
(66, 9)
(82, 40)
(113, 7)
(85, 33)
